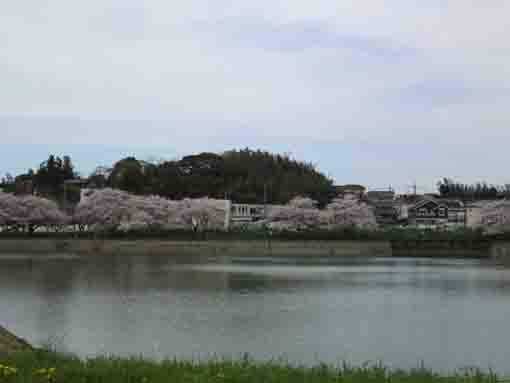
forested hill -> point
(241, 176)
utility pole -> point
(414, 201)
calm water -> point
(449, 313)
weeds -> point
(50, 367)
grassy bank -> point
(45, 366)
(346, 234)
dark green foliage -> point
(50, 176)
(73, 193)
(69, 368)
(128, 175)
(481, 191)
(244, 176)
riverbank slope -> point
(256, 247)
(10, 343)
(195, 248)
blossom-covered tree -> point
(109, 209)
(495, 215)
(29, 213)
(303, 203)
(299, 214)
(350, 212)
(202, 213)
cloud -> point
(379, 77)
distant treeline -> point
(244, 176)
(480, 191)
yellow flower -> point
(7, 370)
(41, 371)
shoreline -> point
(115, 247)
(241, 247)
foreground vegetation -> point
(46, 366)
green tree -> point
(128, 175)
(52, 173)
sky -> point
(378, 92)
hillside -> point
(244, 176)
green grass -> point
(69, 369)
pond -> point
(446, 313)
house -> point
(437, 212)
(380, 195)
(385, 206)
(24, 184)
(238, 213)
(350, 191)
(456, 211)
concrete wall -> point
(184, 248)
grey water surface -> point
(447, 313)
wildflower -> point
(6, 371)
(48, 373)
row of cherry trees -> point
(302, 214)
(113, 210)
(29, 213)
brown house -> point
(351, 190)
(24, 184)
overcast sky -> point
(378, 92)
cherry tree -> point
(495, 215)
(29, 212)
(350, 212)
(162, 211)
(202, 213)
(109, 209)
(303, 203)
(299, 214)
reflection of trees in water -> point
(128, 277)
(54, 286)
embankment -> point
(10, 343)
(232, 247)
(442, 248)
(193, 248)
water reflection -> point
(449, 313)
